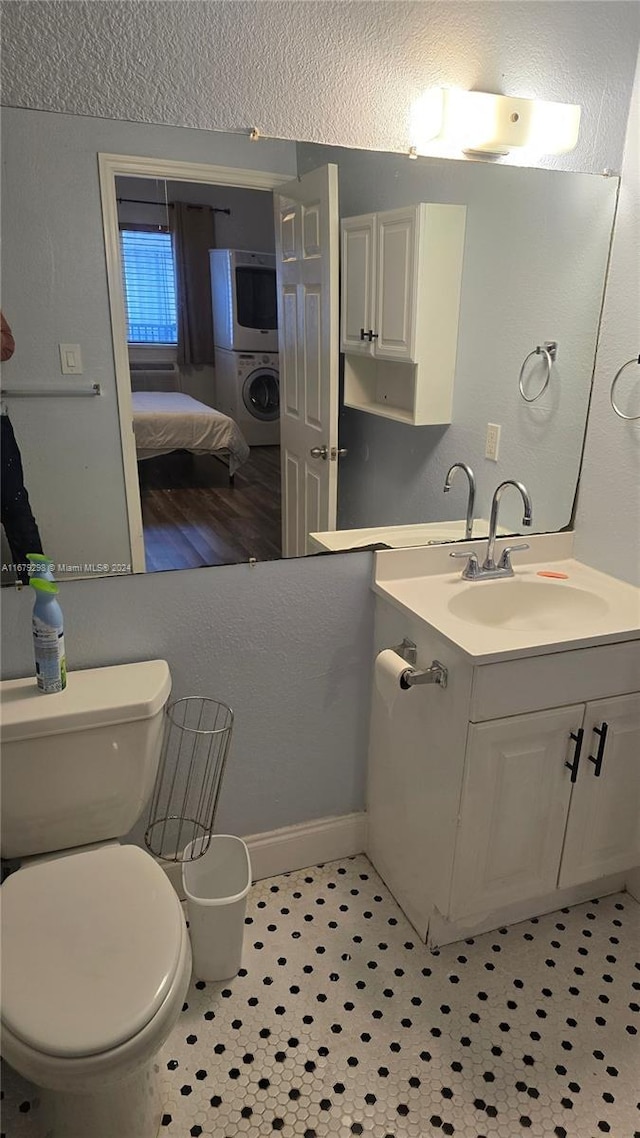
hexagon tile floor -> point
(342, 1023)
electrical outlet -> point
(492, 445)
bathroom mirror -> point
(535, 256)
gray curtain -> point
(193, 236)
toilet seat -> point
(91, 945)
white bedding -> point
(164, 421)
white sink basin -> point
(527, 605)
(528, 614)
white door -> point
(603, 830)
(358, 284)
(397, 243)
(307, 236)
(514, 807)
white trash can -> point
(216, 887)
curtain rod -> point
(170, 205)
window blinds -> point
(149, 286)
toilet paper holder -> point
(435, 674)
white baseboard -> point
(308, 843)
(294, 847)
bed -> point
(164, 421)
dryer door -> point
(261, 394)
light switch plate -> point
(492, 445)
(70, 359)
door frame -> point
(110, 167)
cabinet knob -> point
(597, 761)
(577, 737)
(372, 335)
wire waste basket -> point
(187, 788)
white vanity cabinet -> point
(401, 280)
(512, 792)
(525, 827)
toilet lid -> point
(90, 947)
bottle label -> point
(51, 666)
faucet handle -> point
(505, 557)
(472, 568)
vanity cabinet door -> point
(397, 249)
(603, 828)
(515, 799)
(358, 284)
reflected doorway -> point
(198, 274)
(199, 397)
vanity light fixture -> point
(476, 121)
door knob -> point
(320, 452)
(338, 452)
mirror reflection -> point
(228, 350)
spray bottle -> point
(48, 637)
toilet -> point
(96, 958)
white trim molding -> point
(294, 847)
(308, 843)
(111, 166)
(136, 166)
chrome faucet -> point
(473, 571)
(472, 492)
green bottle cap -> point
(39, 559)
(42, 586)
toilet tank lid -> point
(94, 697)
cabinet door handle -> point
(363, 334)
(597, 761)
(372, 335)
(577, 738)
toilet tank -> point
(78, 766)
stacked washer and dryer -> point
(245, 335)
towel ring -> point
(616, 377)
(549, 350)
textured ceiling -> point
(330, 71)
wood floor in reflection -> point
(191, 515)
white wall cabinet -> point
(401, 281)
(358, 284)
(400, 264)
(512, 792)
